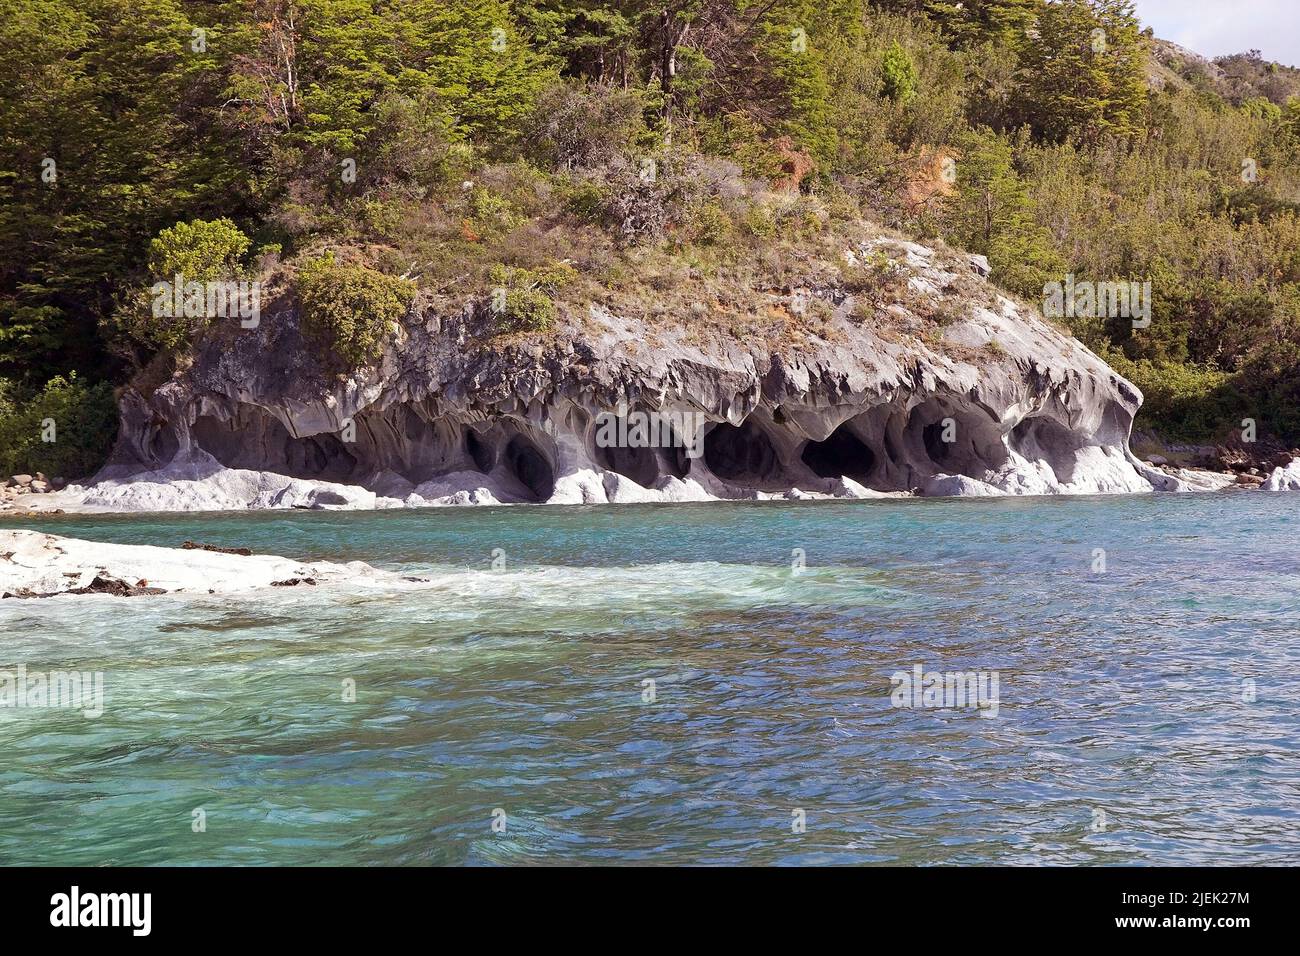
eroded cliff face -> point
(990, 400)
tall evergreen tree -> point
(971, 23)
(1083, 71)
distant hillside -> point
(1236, 78)
(1247, 75)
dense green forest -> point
(367, 148)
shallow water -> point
(520, 689)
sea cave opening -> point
(530, 466)
(841, 454)
(740, 453)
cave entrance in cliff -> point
(943, 435)
(841, 455)
(530, 466)
(480, 451)
(932, 435)
(259, 442)
(639, 464)
(644, 463)
(1039, 438)
(742, 454)
(163, 444)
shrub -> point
(584, 199)
(582, 127)
(649, 198)
(759, 222)
(1182, 402)
(873, 272)
(738, 135)
(710, 224)
(490, 212)
(1270, 384)
(350, 311)
(409, 151)
(81, 419)
(522, 300)
(199, 251)
(527, 309)
(806, 217)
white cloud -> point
(1218, 27)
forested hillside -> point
(352, 152)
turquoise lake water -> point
(1126, 729)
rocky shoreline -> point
(209, 486)
(18, 491)
(177, 490)
(942, 387)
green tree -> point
(1084, 71)
(795, 56)
(101, 144)
(991, 213)
(591, 39)
(65, 431)
(899, 73)
(972, 23)
(468, 55)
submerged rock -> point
(990, 400)
(195, 546)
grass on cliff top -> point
(731, 260)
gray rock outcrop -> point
(989, 398)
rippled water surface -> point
(520, 689)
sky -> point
(1217, 27)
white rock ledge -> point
(33, 564)
(1284, 479)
